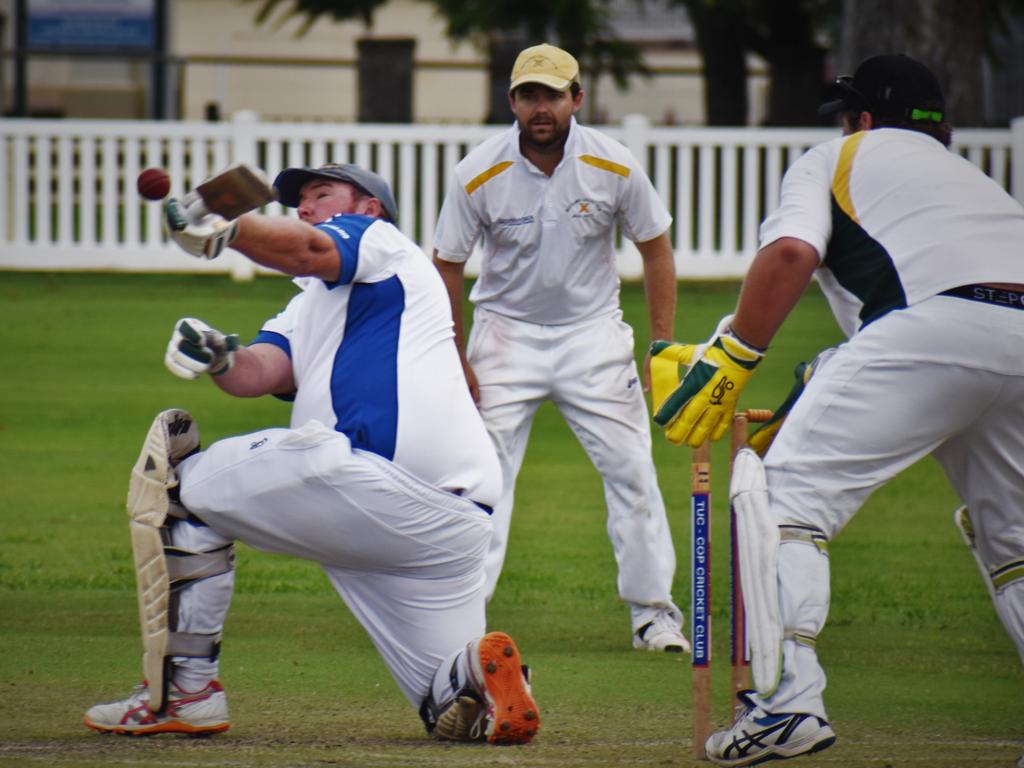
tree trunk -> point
(504, 47)
(797, 88)
(723, 50)
(785, 37)
(948, 36)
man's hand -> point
(196, 231)
(701, 407)
(196, 348)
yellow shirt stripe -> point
(486, 176)
(605, 165)
(841, 178)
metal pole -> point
(20, 64)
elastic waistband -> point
(988, 295)
(488, 509)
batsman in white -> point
(918, 253)
(386, 476)
(546, 195)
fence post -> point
(634, 136)
(1017, 159)
(243, 150)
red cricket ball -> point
(154, 184)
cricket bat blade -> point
(235, 191)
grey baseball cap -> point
(290, 181)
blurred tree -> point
(721, 39)
(789, 35)
(313, 10)
(951, 37)
(793, 37)
(582, 27)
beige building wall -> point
(314, 77)
(226, 60)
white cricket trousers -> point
(587, 370)
(944, 377)
(405, 557)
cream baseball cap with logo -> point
(547, 65)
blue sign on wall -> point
(94, 24)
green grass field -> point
(921, 672)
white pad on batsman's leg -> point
(148, 505)
(172, 436)
(962, 520)
(758, 536)
(998, 581)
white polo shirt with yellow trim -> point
(548, 252)
(896, 218)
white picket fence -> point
(68, 198)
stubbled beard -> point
(556, 136)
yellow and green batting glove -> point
(702, 406)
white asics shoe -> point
(200, 713)
(758, 736)
(510, 713)
(662, 633)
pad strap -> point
(801, 638)
(997, 577)
(805, 533)
(197, 646)
(184, 566)
(1007, 573)
(809, 535)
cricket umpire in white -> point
(919, 255)
(386, 476)
(546, 195)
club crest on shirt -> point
(584, 208)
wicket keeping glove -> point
(196, 231)
(669, 363)
(763, 436)
(196, 348)
(702, 406)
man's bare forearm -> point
(660, 286)
(288, 245)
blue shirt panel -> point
(277, 339)
(281, 342)
(346, 230)
(364, 381)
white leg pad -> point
(962, 521)
(172, 435)
(154, 592)
(758, 536)
(1010, 606)
(1005, 583)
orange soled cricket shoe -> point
(511, 713)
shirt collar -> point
(567, 151)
